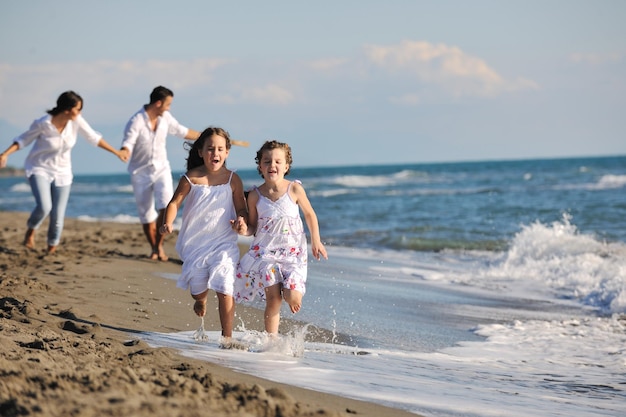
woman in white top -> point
(48, 165)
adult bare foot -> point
(51, 249)
(199, 307)
(154, 256)
(29, 239)
(162, 256)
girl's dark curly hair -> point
(194, 159)
(270, 145)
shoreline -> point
(9, 172)
(70, 327)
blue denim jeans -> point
(51, 200)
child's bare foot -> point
(199, 307)
(295, 307)
(29, 239)
(230, 343)
(293, 298)
(154, 256)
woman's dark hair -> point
(270, 145)
(160, 93)
(66, 101)
(194, 159)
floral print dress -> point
(278, 253)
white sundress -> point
(278, 253)
(206, 242)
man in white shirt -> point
(150, 172)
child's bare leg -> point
(29, 239)
(226, 307)
(199, 307)
(294, 299)
(273, 301)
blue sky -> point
(344, 82)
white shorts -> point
(152, 190)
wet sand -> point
(70, 327)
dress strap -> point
(296, 181)
(187, 178)
(231, 176)
(255, 188)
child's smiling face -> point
(214, 152)
(273, 165)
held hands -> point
(3, 160)
(123, 154)
(166, 229)
(239, 226)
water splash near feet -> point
(200, 335)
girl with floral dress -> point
(275, 266)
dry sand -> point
(70, 342)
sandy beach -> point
(70, 337)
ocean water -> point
(461, 289)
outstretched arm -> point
(243, 143)
(4, 156)
(192, 134)
(123, 155)
(310, 218)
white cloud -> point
(27, 90)
(596, 59)
(109, 87)
(271, 94)
(328, 64)
(268, 94)
(455, 71)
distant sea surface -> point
(483, 288)
(421, 207)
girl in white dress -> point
(275, 267)
(207, 240)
